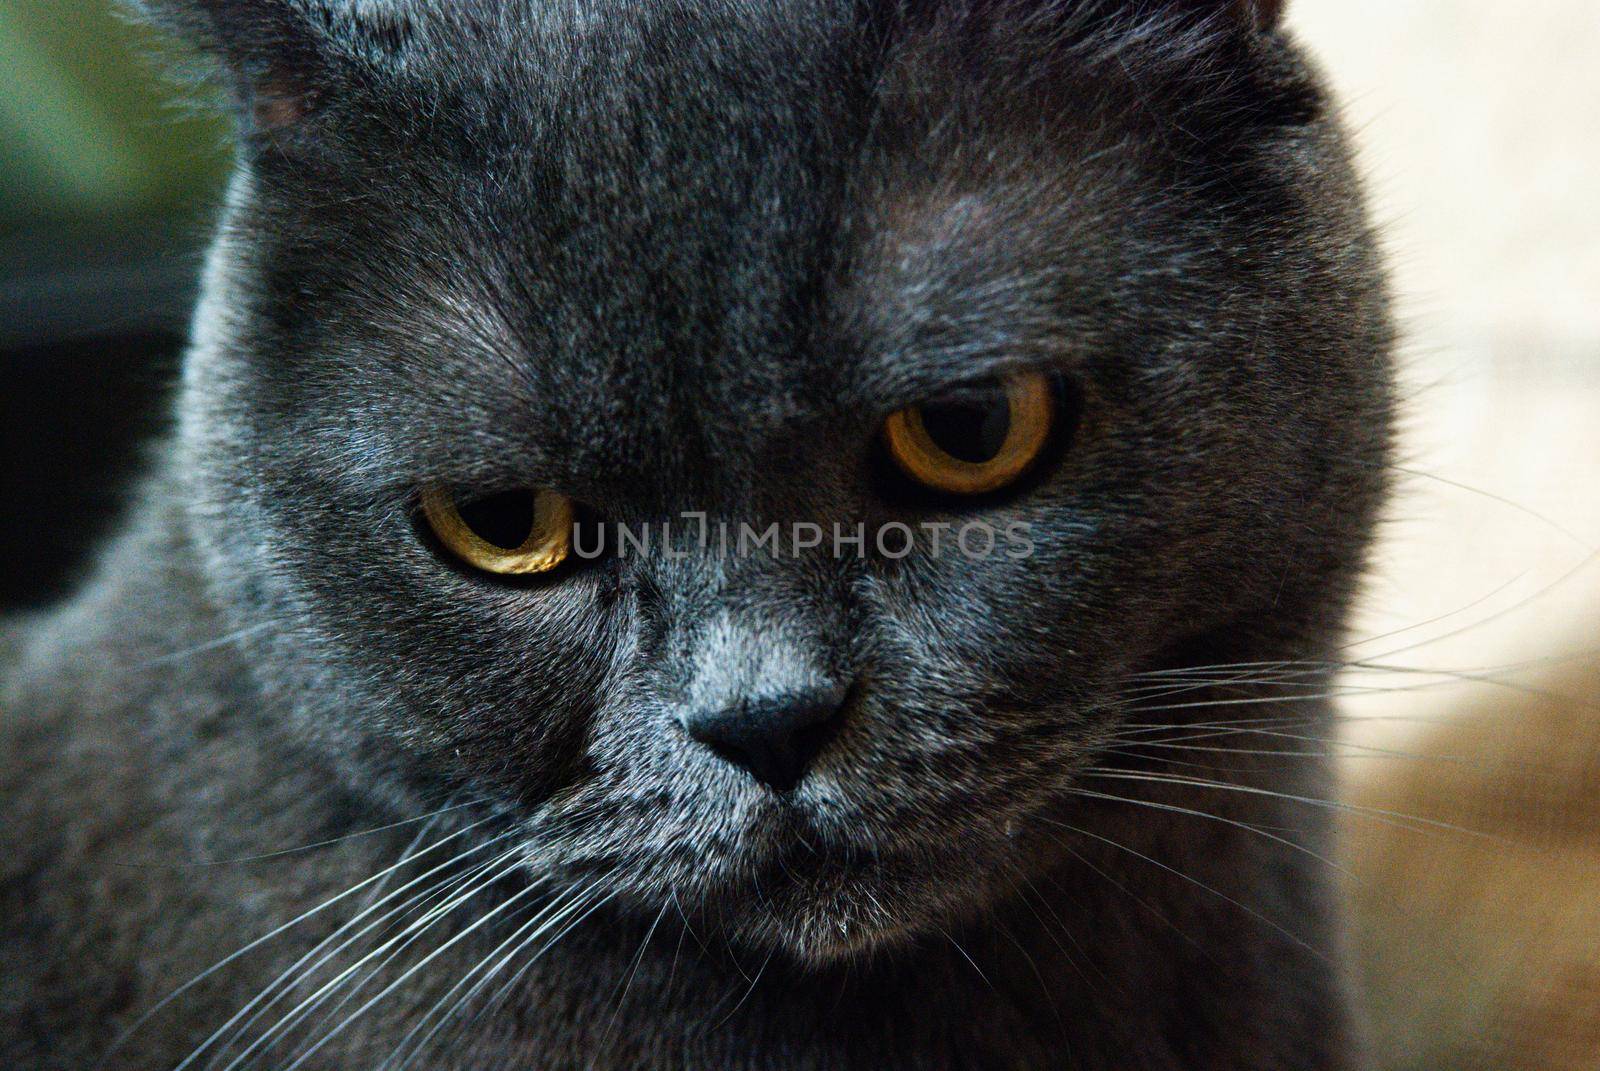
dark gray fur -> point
(686, 255)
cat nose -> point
(774, 740)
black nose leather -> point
(774, 739)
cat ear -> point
(1260, 15)
(282, 57)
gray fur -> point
(687, 256)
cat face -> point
(689, 260)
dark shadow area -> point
(91, 328)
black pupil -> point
(506, 519)
(972, 429)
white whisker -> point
(1175, 809)
(466, 932)
(257, 943)
(1252, 912)
(545, 918)
(414, 929)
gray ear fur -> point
(283, 56)
(1258, 14)
(1266, 14)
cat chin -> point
(814, 909)
(823, 934)
(788, 886)
(828, 910)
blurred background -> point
(1478, 124)
(107, 187)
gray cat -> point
(710, 535)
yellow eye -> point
(519, 533)
(975, 444)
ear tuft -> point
(278, 103)
(1266, 13)
(276, 53)
(1260, 15)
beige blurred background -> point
(1477, 931)
(1479, 128)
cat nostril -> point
(774, 740)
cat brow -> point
(954, 371)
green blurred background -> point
(110, 173)
(88, 130)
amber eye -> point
(978, 442)
(518, 533)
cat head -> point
(695, 270)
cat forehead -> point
(762, 285)
(540, 48)
(721, 213)
(674, 219)
(289, 58)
